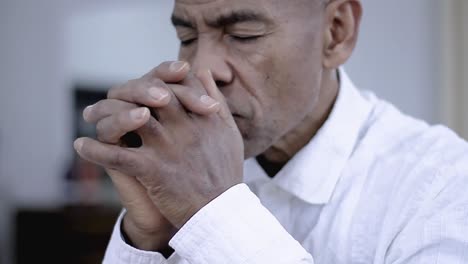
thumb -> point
(170, 71)
(206, 78)
(131, 193)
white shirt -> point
(373, 186)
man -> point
(334, 175)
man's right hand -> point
(121, 113)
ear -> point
(342, 20)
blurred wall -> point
(33, 129)
(115, 43)
(46, 46)
(454, 92)
(398, 55)
(34, 126)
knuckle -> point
(117, 91)
(189, 97)
(119, 160)
(164, 66)
(98, 108)
(145, 86)
(130, 165)
(88, 151)
(142, 171)
(108, 130)
(161, 70)
(85, 150)
(179, 90)
(138, 90)
(97, 112)
(101, 131)
(155, 81)
(122, 121)
(153, 127)
(157, 68)
(112, 92)
(154, 190)
(132, 83)
(195, 139)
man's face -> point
(266, 56)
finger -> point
(193, 96)
(110, 156)
(111, 129)
(206, 78)
(104, 108)
(170, 71)
(152, 131)
(173, 112)
(152, 93)
(196, 101)
(131, 193)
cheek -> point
(277, 80)
(291, 85)
(297, 74)
(185, 54)
(253, 77)
(288, 93)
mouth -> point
(240, 123)
(239, 119)
(236, 114)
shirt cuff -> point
(120, 252)
(236, 228)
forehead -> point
(195, 3)
(211, 9)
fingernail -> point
(158, 94)
(139, 113)
(208, 101)
(78, 144)
(87, 111)
(177, 66)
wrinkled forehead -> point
(200, 3)
(273, 11)
(212, 9)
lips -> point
(240, 117)
(242, 124)
(234, 112)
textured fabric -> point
(373, 186)
(120, 252)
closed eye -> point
(245, 38)
(187, 42)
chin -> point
(256, 140)
(255, 146)
(248, 154)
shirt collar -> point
(314, 171)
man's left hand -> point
(186, 160)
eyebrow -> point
(181, 22)
(224, 20)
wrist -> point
(146, 240)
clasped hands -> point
(191, 152)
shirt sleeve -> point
(119, 252)
(237, 228)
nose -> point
(214, 58)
